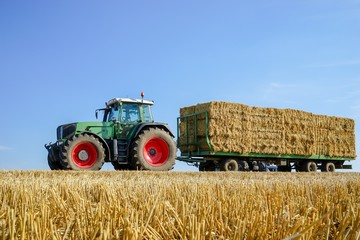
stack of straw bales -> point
(240, 128)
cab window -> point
(113, 114)
(130, 113)
(147, 113)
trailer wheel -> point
(83, 152)
(228, 165)
(310, 166)
(153, 149)
(328, 167)
(243, 166)
(262, 167)
(299, 166)
(53, 164)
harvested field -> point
(239, 128)
(174, 205)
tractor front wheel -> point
(153, 149)
(53, 164)
(83, 152)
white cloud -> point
(4, 148)
(275, 86)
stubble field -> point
(176, 205)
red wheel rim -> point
(84, 155)
(156, 151)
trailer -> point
(235, 137)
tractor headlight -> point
(59, 132)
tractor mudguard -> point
(154, 124)
(105, 144)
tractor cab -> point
(128, 111)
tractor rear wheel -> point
(153, 149)
(53, 164)
(83, 152)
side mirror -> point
(98, 110)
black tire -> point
(262, 167)
(310, 166)
(208, 166)
(119, 167)
(53, 164)
(243, 166)
(328, 167)
(153, 149)
(284, 168)
(299, 166)
(228, 165)
(83, 152)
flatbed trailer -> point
(200, 153)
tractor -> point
(128, 137)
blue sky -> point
(60, 60)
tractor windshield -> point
(130, 113)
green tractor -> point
(127, 137)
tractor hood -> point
(102, 129)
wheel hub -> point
(152, 151)
(83, 155)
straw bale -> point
(223, 109)
(239, 128)
(187, 110)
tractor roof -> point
(128, 100)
